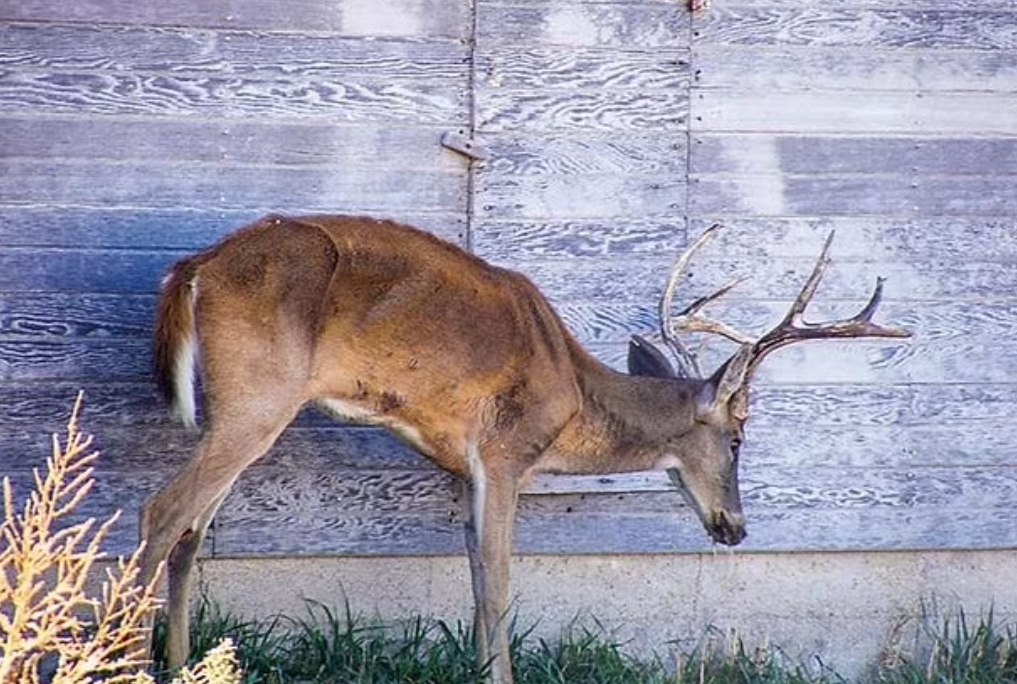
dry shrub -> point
(51, 629)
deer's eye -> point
(736, 445)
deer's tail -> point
(175, 342)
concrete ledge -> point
(844, 608)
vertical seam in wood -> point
(688, 131)
(471, 104)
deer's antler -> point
(793, 328)
(690, 319)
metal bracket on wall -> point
(465, 144)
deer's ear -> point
(646, 360)
(726, 382)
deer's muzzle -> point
(726, 529)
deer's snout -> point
(726, 528)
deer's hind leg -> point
(250, 396)
(174, 521)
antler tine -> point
(689, 319)
(793, 328)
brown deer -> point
(380, 323)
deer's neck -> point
(623, 421)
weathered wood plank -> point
(777, 279)
(93, 271)
(226, 95)
(982, 360)
(840, 530)
(542, 68)
(109, 494)
(248, 187)
(274, 494)
(871, 28)
(599, 302)
(578, 197)
(592, 280)
(550, 22)
(849, 195)
(746, 153)
(306, 513)
(430, 19)
(848, 68)
(75, 315)
(584, 151)
(176, 228)
(974, 357)
(227, 143)
(575, 237)
(930, 323)
(508, 110)
(915, 113)
(983, 6)
(980, 406)
(160, 450)
(876, 238)
(45, 359)
(183, 51)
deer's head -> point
(703, 459)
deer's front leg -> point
(492, 508)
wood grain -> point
(553, 22)
(852, 154)
(90, 47)
(985, 6)
(857, 26)
(404, 18)
(524, 68)
(588, 196)
(845, 195)
(792, 67)
(181, 229)
(506, 110)
(239, 143)
(777, 279)
(133, 133)
(575, 237)
(44, 405)
(224, 95)
(192, 185)
(915, 113)
(575, 152)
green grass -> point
(334, 646)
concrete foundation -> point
(846, 610)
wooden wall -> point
(133, 133)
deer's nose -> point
(727, 529)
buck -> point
(383, 324)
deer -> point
(379, 323)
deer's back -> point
(399, 328)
